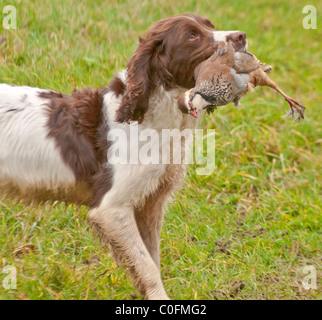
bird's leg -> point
(294, 104)
(260, 78)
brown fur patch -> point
(182, 103)
(117, 86)
(73, 122)
(77, 124)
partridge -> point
(227, 76)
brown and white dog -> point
(54, 145)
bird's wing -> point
(245, 62)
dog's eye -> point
(192, 36)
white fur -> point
(28, 157)
(137, 179)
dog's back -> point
(28, 157)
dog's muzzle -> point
(237, 38)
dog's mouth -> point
(239, 47)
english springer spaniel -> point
(55, 146)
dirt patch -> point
(23, 250)
(254, 234)
(231, 292)
(223, 246)
(94, 260)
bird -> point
(226, 77)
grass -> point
(244, 232)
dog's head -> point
(167, 56)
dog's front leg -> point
(149, 219)
(117, 225)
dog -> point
(54, 146)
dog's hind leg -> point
(119, 228)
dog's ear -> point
(143, 74)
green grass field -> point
(244, 232)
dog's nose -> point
(238, 39)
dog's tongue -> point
(193, 112)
